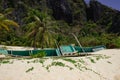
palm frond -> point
(37, 18)
(4, 26)
(11, 23)
(1, 14)
(31, 34)
(2, 18)
(30, 26)
(8, 11)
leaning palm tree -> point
(5, 23)
(38, 29)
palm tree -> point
(38, 29)
(5, 23)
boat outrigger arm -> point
(78, 42)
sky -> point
(115, 4)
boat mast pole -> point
(78, 42)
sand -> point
(102, 65)
(2, 56)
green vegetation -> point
(81, 61)
(92, 60)
(39, 28)
(109, 62)
(42, 62)
(69, 60)
(6, 23)
(6, 62)
(57, 63)
(38, 55)
(30, 69)
(98, 57)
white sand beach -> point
(102, 65)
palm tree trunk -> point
(42, 37)
(34, 42)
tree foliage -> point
(38, 27)
(6, 23)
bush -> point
(39, 54)
(115, 43)
(109, 40)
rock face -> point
(18, 10)
(61, 10)
(71, 11)
(106, 17)
(94, 11)
(115, 27)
